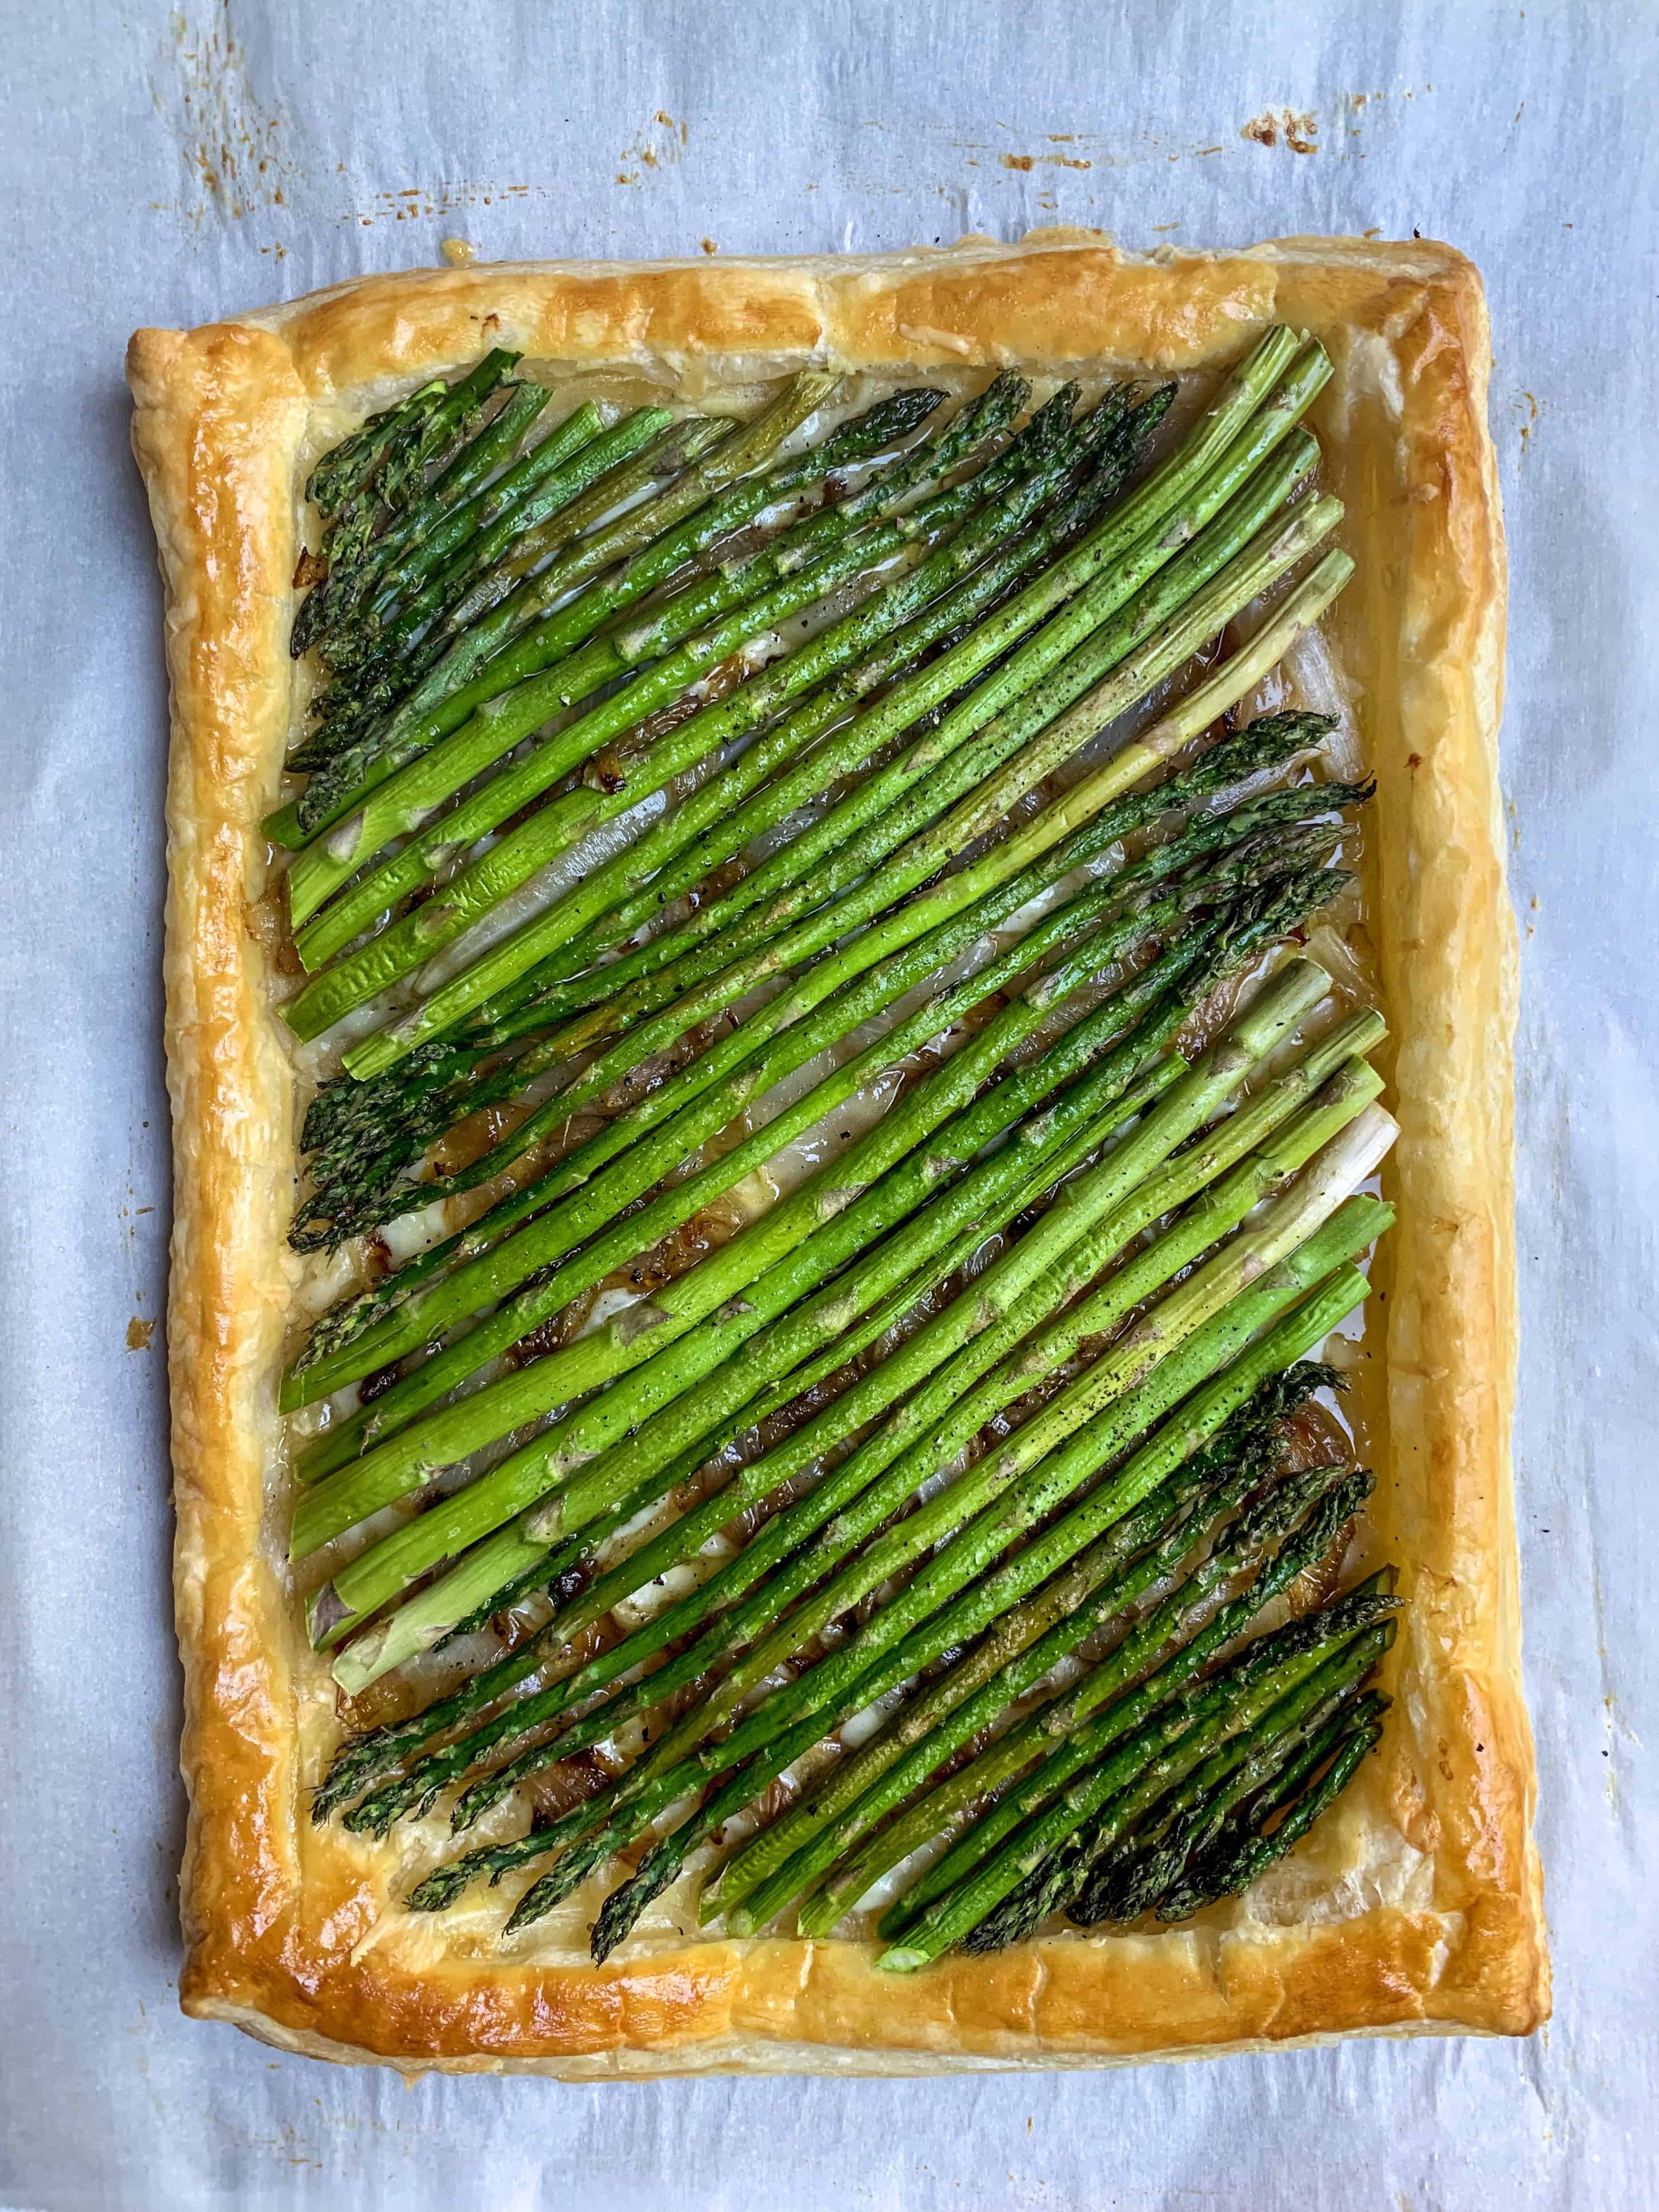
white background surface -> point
(166, 169)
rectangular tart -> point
(1416, 1906)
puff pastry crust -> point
(1416, 1907)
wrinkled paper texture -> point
(169, 168)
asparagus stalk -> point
(1289, 1329)
(482, 665)
(1041, 1275)
(417, 568)
(750, 1301)
(1241, 1545)
(660, 1143)
(383, 1125)
(519, 1556)
(1263, 1172)
(369, 1135)
(682, 1540)
(1232, 682)
(373, 1752)
(703, 494)
(1232, 1708)
(1228, 1871)
(1006, 1494)
(744, 1271)
(1307, 375)
(880, 1777)
(702, 625)
(707, 496)
(875, 818)
(406, 540)
(1243, 391)
(822, 1326)
(1055, 1885)
(510, 599)
(648, 1791)
(408, 801)
(612, 468)
(1025, 478)
(378, 654)
(385, 471)
(925, 854)
(517, 638)
(1176, 1441)
(548, 1293)
(1180, 1733)
(1131, 1877)
(346, 468)
(755, 1885)
(1140, 615)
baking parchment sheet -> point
(168, 168)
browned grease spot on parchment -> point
(1299, 128)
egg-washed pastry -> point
(839, 1009)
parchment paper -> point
(168, 169)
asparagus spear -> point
(1231, 1707)
(705, 493)
(510, 599)
(1292, 1329)
(417, 566)
(1131, 1877)
(1241, 392)
(368, 1135)
(385, 471)
(559, 1233)
(653, 1446)
(346, 468)
(509, 635)
(640, 1802)
(604, 1354)
(1174, 1442)
(1234, 679)
(681, 1539)
(701, 626)
(1025, 1877)
(938, 1724)
(371, 1753)
(548, 1293)
(334, 600)
(736, 1302)
(924, 852)
(1177, 1439)
(746, 605)
(1241, 1545)
(875, 818)
(1264, 1171)
(612, 468)
(374, 1130)
(705, 499)
(473, 893)
(1045, 1271)
(755, 1885)
(663, 1141)
(1235, 1864)
(1007, 1493)
(481, 664)
(1307, 374)
(733, 1293)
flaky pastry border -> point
(275, 1916)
